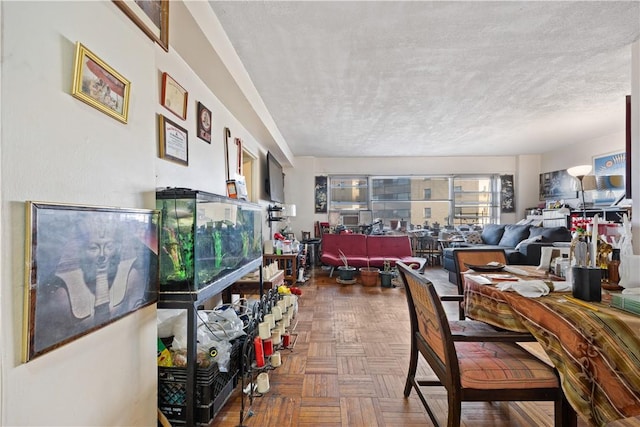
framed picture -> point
(557, 185)
(174, 96)
(321, 194)
(507, 194)
(152, 16)
(204, 123)
(174, 141)
(86, 266)
(610, 173)
(99, 85)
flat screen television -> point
(274, 183)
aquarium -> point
(204, 238)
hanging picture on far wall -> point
(557, 185)
(507, 195)
(321, 194)
(610, 171)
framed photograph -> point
(86, 266)
(174, 96)
(610, 173)
(204, 123)
(174, 141)
(99, 85)
(152, 16)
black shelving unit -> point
(190, 301)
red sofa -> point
(362, 251)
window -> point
(444, 200)
(417, 200)
(475, 199)
(348, 193)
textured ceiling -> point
(353, 79)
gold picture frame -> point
(151, 16)
(86, 267)
(99, 85)
(174, 141)
(174, 97)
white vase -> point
(629, 270)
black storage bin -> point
(213, 388)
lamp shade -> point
(589, 183)
(290, 210)
(579, 171)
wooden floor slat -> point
(348, 367)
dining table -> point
(594, 347)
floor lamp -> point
(579, 173)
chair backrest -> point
(478, 256)
(430, 329)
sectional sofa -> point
(522, 243)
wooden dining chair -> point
(474, 256)
(472, 367)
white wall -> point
(56, 148)
(583, 152)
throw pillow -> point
(551, 234)
(492, 233)
(527, 241)
(472, 237)
(514, 234)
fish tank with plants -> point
(207, 241)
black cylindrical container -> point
(586, 283)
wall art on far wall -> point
(507, 194)
(610, 171)
(204, 123)
(174, 97)
(99, 85)
(321, 194)
(174, 141)
(152, 16)
(87, 266)
(558, 185)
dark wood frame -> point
(65, 244)
(173, 93)
(204, 114)
(158, 34)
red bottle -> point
(268, 346)
(257, 345)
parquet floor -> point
(348, 367)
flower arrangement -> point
(579, 225)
